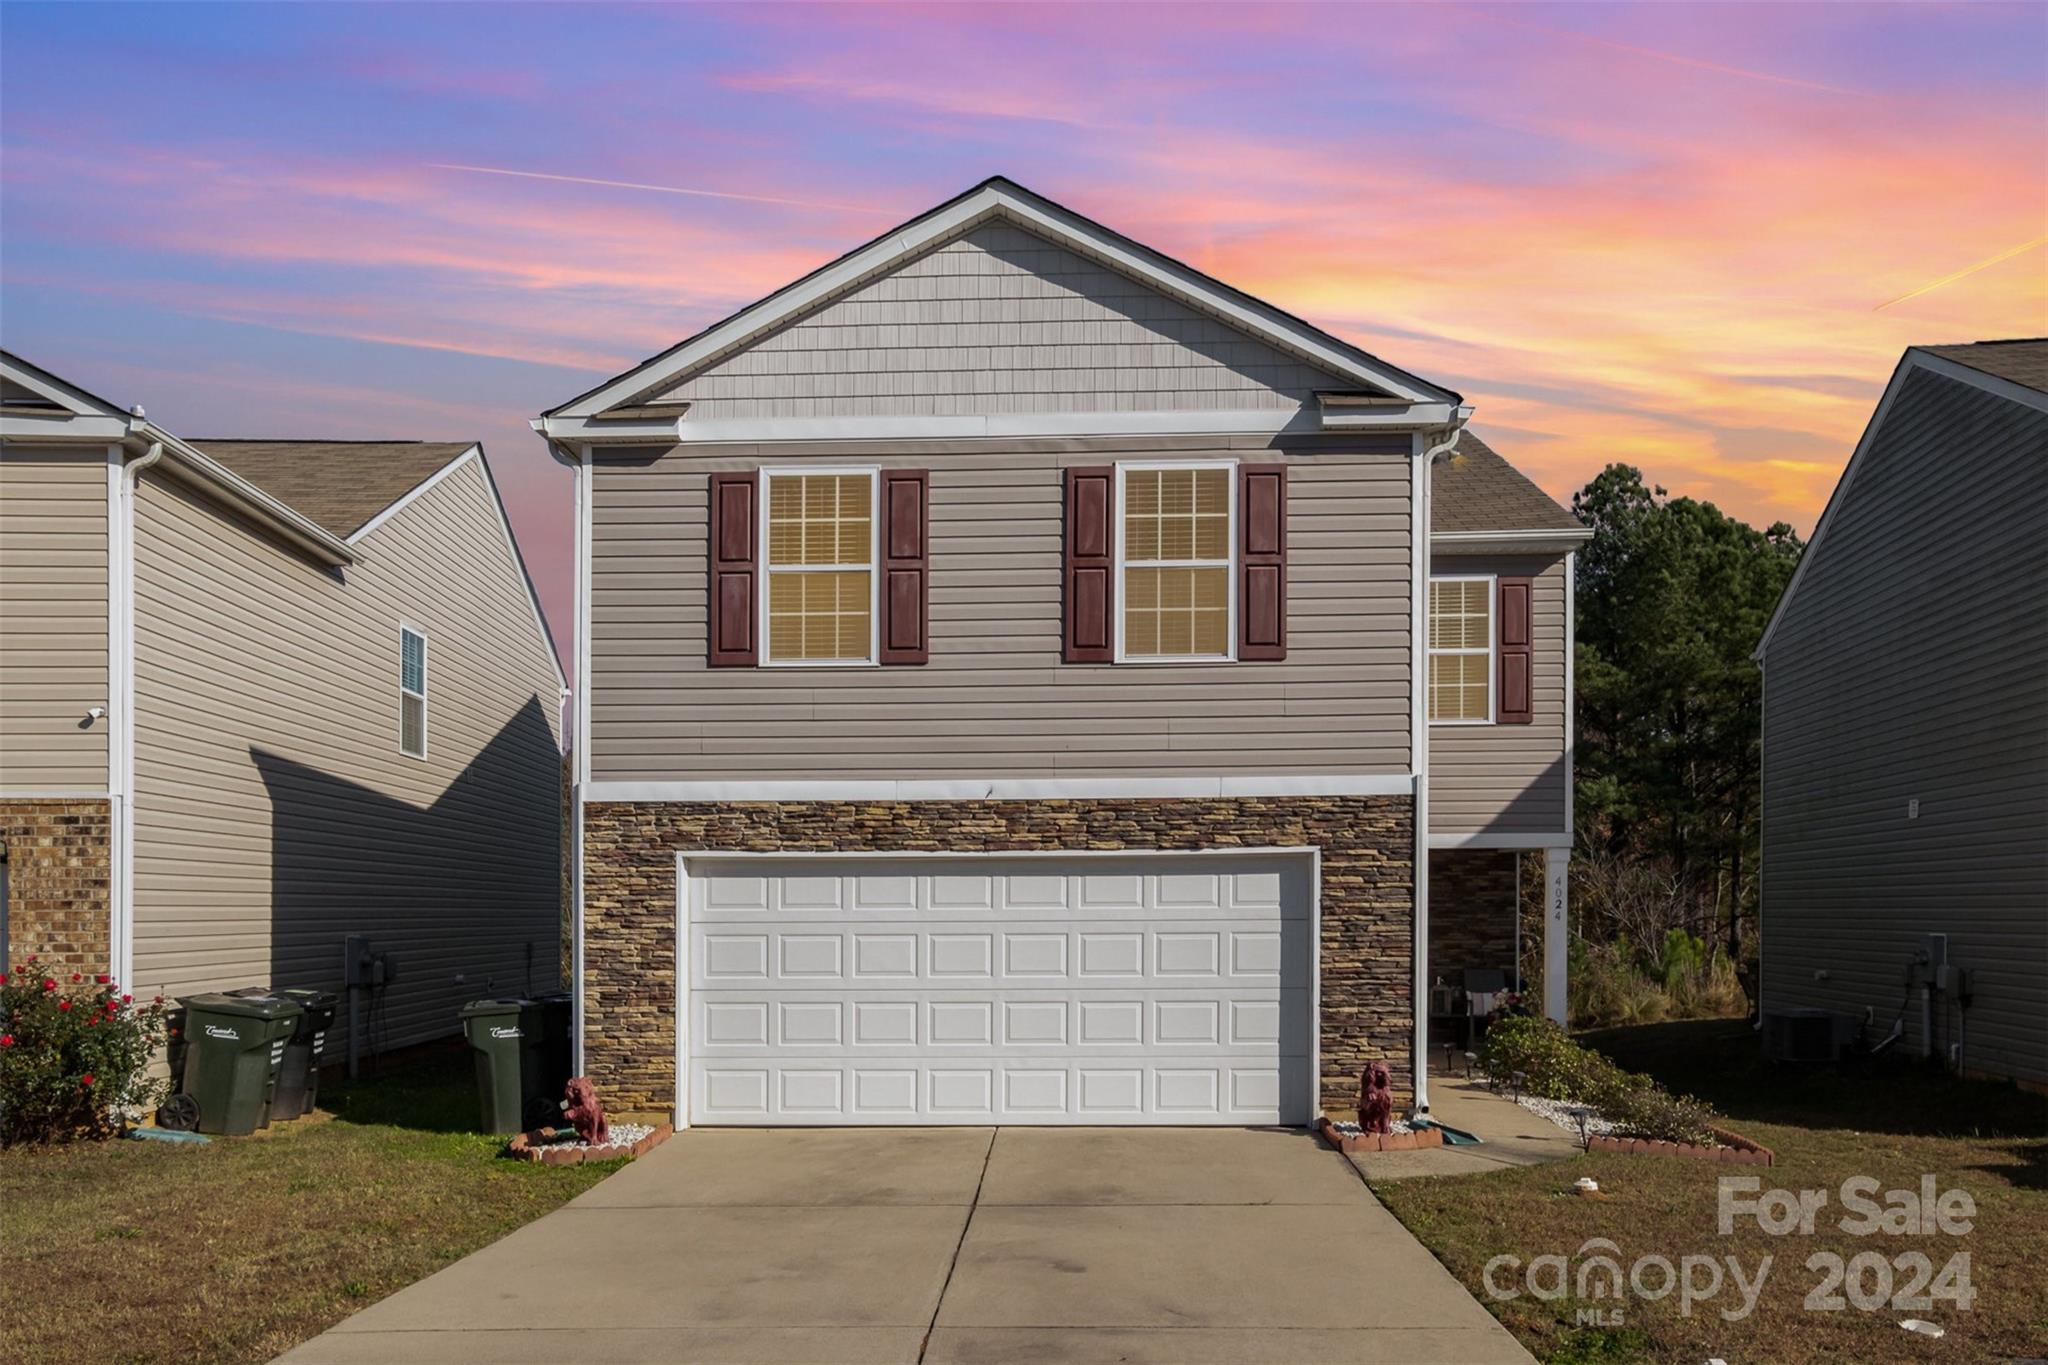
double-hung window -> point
(820, 536)
(1175, 541)
(1461, 668)
(412, 692)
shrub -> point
(1554, 1067)
(74, 1057)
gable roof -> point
(342, 485)
(2024, 361)
(619, 399)
(1474, 491)
(2006, 371)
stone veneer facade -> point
(629, 902)
(60, 881)
(1472, 906)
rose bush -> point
(73, 1057)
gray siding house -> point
(1905, 779)
(1019, 673)
(257, 696)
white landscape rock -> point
(1560, 1113)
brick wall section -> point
(59, 882)
(1471, 912)
(629, 896)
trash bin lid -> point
(479, 1008)
(244, 1005)
(308, 998)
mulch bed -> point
(1414, 1140)
(1734, 1149)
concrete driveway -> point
(955, 1245)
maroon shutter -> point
(1090, 588)
(731, 616)
(906, 572)
(1512, 690)
(1262, 561)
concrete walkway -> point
(957, 1245)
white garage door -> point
(1162, 989)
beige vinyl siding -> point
(53, 618)
(1912, 663)
(274, 810)
(1508, 779)
(995, 699)
(999, 320)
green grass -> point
(1895, 1122)
(239, 1249)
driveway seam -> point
(925, 1343)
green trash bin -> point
(233, 1047)
(509, 1038)
(298, 1074)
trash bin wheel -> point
(180, 1113)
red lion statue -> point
(1376, 1105)
(586, 1112)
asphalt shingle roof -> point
(2023, 360)
(1476, 490)
(339, 484)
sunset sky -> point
(1683, 236)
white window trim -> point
(874, 474)
(1229, 655)
(407, 628)
(1492, 582)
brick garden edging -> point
(535, 1146)
(1736, 1150)
(1416, 1139)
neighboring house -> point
(1007, 655)
(1905, 759)
(258, 696)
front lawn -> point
(236, 1250)
(1896, 1123)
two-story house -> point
(263, 699)
(1025, 681)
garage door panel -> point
(1133, 990)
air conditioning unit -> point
(1806, 1035)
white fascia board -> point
(1420, 414)
(1525, 842)
(413, 494)
(635, 431)
(69, 396)
(1911, 361)
(1006, 788)
(61, 427)
(1043, 217)
(1546, 541)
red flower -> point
(102, 979)
(127, 999)
(64, 1005)
(159, 1000)
(174, 1033)
(48, 984)
(76, 977)
(6, 1040)
(3, 978)
(86, 1080)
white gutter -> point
(238, 492)
(121, 733)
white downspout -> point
(121, 575)
(1418, 749)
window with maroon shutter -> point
(1513, 705)
(731, 621)
(1262, 561)
(1088, 582)
(906, 571)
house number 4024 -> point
(1870, 1281)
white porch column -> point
(1556, 931)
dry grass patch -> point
(1897, 1125)
(237, 1250)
